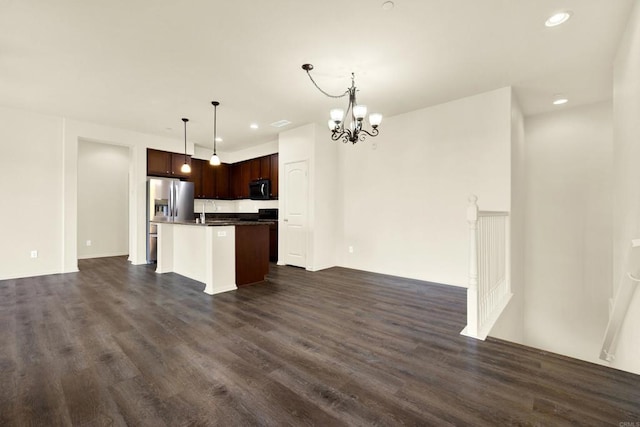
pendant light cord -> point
(185, 140)
(215, 124)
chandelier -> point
(354, 132)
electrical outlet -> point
(350, 249)
(34, 254)
(222, 233)
(88, 242)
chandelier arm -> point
(325, 93)
(372, 134)
(335, 135)
(345, 135)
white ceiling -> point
(143, 65)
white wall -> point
(31, 193)
(510, 325)
(312, 143)
(626, 181)
(103, 200)
(568, 229)
(326, 206)
(40, 154)
(405, 192)
(295, 145)
(74, 131)
(265, 149)
(46, 217)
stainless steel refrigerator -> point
(167, 200)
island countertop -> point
(221, 253)
(216, 222)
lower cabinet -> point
(252, 254)
(273, 242)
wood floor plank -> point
(117, 344)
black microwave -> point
(260, 189)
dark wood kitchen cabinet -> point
(158, 162)
(222, 181)
(165, 163)
(240, 177)
(234, 180)
(254, 170)
(226, 181)
(252, 254)
(273, 175)
(196, 177)
(265, 167)
(200, 176)
(209, 182)
(273, 242)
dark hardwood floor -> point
(117, 344)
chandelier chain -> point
(327, 94)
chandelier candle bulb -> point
(360, 111)
(336, 115)
(375, 119)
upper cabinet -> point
(226, 181)
(222, 181)
(209, 182)
(273, 175)
(255, 169)
(196, 177)
(165, 163)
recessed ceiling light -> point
(558, 18)
(218, 139)
(560, 101)
(388, 5)
(280, 123)
(254, 126)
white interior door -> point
(295, 215)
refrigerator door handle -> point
(176, 197)
(172, 199)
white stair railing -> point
(624, 293)
(489, 289)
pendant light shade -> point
(185, 167)
(215, 160)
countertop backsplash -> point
(232, 206)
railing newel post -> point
(472, 292)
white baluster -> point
(472, 292)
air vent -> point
(280, 123)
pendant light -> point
(185, 168)
(215, 160)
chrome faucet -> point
(203, 216)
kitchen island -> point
(222, 254)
